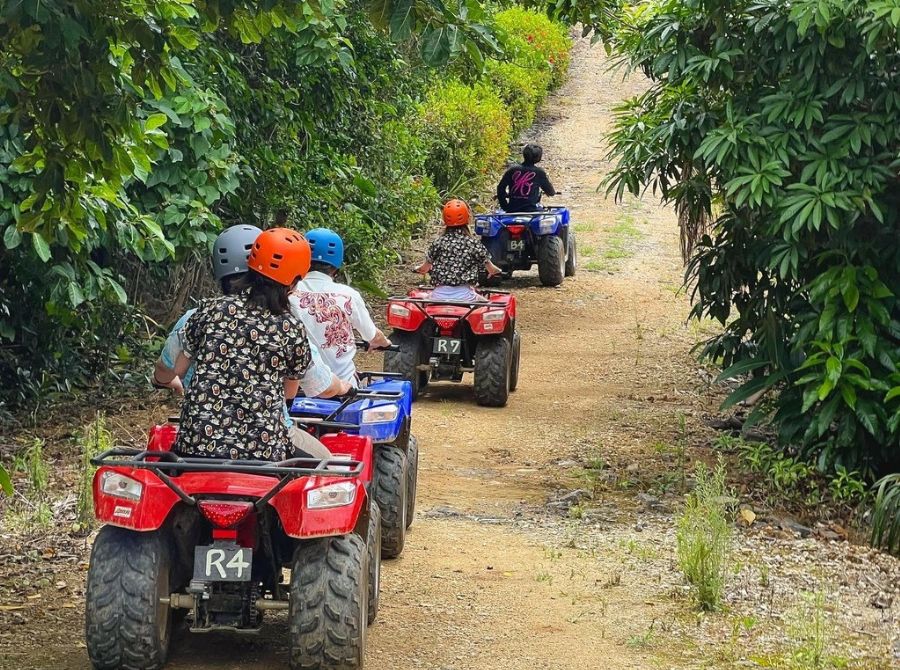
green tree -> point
(774, 129)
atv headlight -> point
(493, 316)
(399, 311)
(380, 414)
(547, 224)
(333, 495)
(120, 486)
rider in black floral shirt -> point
(456, 258)
(248, 352)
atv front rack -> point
(166, 463)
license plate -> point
(515, 245)
(222, 563)
(447, 345)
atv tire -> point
(390, 492)
(407, 360)
(492, 371)
(551, 261)
(126, 625)
(328, 608)
(571, 254)
(373, 551)
(412, 477)
(514, 363)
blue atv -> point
(519, 240)
(381, 409)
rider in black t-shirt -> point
(520, 188)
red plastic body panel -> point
(157, 500)
(162, 437)
(445, 315)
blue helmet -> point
(327, 246)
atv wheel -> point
(551, 261)
(571, 255)
(127, 626)
(492, 371)
(412, 476)
(407, 360)
(514, 364)
(389, 486)
(373, 550)
(327, 614)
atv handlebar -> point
(362, 345)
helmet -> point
(327, 246)
(456, 213)
(281, 254)
(231, 248)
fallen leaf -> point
(748, 515)
(10, 608)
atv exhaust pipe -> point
(185, 601)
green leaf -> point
(436, 45)
(76, 297)
(741, 368)
(116, 287)
(41, 248)
(5, 481)
(850, 294)
(745, 391)
(155, 121)
(402, 19)
(11, 236)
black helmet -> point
(231, 248)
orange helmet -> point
(281, 254)
(456, 213)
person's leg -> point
(307, 444)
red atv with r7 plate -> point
(212, 536)
(440, 340)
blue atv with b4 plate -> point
(517, 241)
(382, 410)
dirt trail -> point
(490, 579)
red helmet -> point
(281, 254)
(456, 213)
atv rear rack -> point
(422, 303)
(169, 463)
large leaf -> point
(403, 19)
(438, 43)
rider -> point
(456, 258)
(236, 405)
(520, 187)
(330, 311)
(230, 251)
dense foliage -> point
(131, 132)
(774, 128)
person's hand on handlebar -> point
(380, 341)
(492, 269)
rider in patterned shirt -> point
(521, 186)
(456, 258)
(248, 354)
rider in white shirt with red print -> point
(331, 311)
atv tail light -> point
(482, 227)
(547, 224)
(333, 495)
(224, 514)
(516, 231)
(398, 311)
(379, 414)
(494, 315)
(120, 486)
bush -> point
(521, 90)
(535, 43)
(468, 131)
(704, 537)
(787, 116)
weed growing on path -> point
(96, 438)
(704, 537)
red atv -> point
(440, 340)
(212, 537)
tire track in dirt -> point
(474, 589)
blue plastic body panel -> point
(381, 433)
(490, 225)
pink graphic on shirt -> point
(325, 309)
(522, 183)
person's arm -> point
(291, 388)
(166, 375)
(502, 189)
(545, 184)
(163, 375)
(297, 361)
(319, 381)
(365, 326)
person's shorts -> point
(456, 294)
(308, 444)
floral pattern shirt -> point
(456, 259)
(234, 408)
